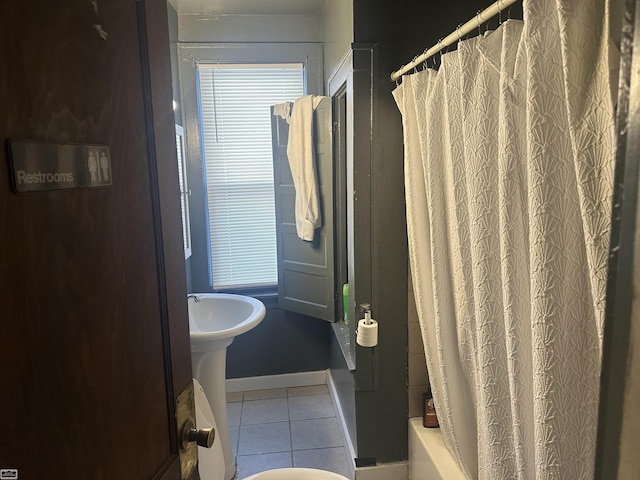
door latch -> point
(190, 436)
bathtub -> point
(429, 459)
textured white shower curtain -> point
(509, 151)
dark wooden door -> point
(94, 344)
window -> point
(235, 124)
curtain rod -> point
(460, 32)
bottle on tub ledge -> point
(429, 417)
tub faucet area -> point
(195, 297)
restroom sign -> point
(37, 167)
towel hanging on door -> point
(301, 155)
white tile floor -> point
(286, 427)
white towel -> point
(283, 110)
(301, 155)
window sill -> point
(267, 295)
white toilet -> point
(296, 474)
(211, 460)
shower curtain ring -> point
(499, 12)
(425, 65)
(478, 20)
(415, 65)
(439, 52)
(458, 32)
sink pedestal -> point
(215, 319)
(209, 368)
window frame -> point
(185, 191)
(190, 55)
(226, 151)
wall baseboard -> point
(342, 422)
(384, 471)
(285, 380)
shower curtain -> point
(509, 150)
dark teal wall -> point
(188, 272)
(284, 342)
(400, 31)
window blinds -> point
(235, 103)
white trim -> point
(342, 423)
(285, 380)
(384, 471)
(339, 75)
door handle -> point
(203, 437)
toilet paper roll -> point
(367, 334)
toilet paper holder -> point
(367, 332)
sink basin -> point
(216, 318)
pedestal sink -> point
(215, 319)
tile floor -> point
(286, 427)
